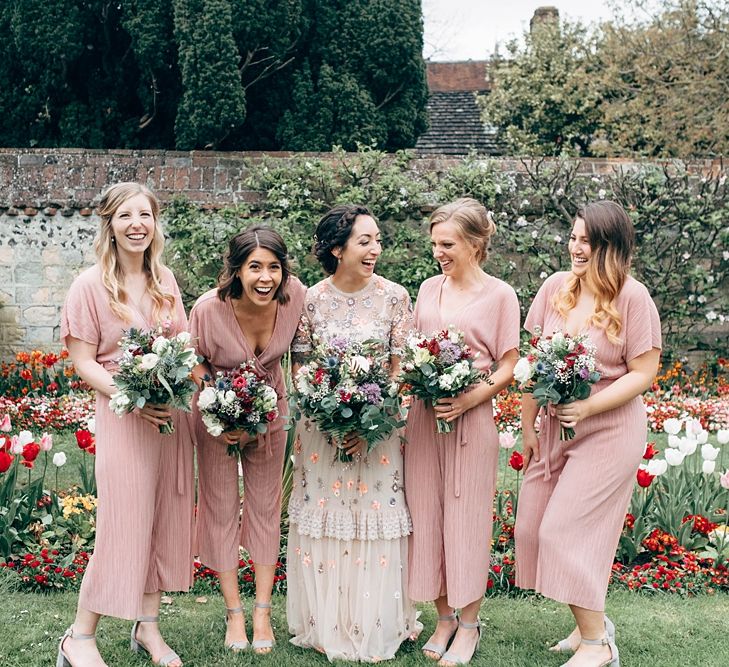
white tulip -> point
(160, 345)
(693, 427)
(522, 370)
(722, 435)
(672, 426)
(507, 440)
(59, 459)
(708, 467)
(688, 446)
(702, 437)
(149, 361)
(674, 457)
(24, 437)
(184, 337)
(91, 425)
(709, 453)
(673, 440)
(656, 467)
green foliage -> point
(653, 85)
(213, 101)
(682, 252)
(243, 74)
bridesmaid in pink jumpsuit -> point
(575, 493)
(252, 315)
(145, 479)
(450, 478)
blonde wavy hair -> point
(611, 236)
(112, 272)
(474, 222)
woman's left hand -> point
(449, 409)
(570, 414)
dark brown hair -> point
(333, 230)
(239, 248)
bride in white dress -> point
(347, 547)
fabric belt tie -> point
(184, 445)
(461, 442)
(547, 425)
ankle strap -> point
(148, 619)
(235, 610)
(262, 605)
(596, 642)
(470, 626)
(448, 617)
(70, 632)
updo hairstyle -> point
(333, 230)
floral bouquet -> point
(557, 369)
(438, 366)
(154, 368)
(345, 388)
(238, 400)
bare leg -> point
(262, 615)
(148, 634)
(591, 625)
(83, 651)
(236, 630)
(444, 629)
(466, 639)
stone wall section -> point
(48, 222)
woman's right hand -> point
(157, 414)
(241, 438)
(530, 446)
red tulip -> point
(650, 451)
(516, 461)
(6, 460)
(84, 439)
(31, 451)
(644, 477)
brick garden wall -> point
(47, 218)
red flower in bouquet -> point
(84, 439)
(6, 460)
(650, 451)
(644, 478)
(516, 461)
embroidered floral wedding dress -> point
(347, 548)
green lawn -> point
(661, 630)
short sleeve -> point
(302, 343)
(403, 323)
(642, 324)
(79, 316)
(197, 332)
(537, 314)
(506, 333)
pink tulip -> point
(724, 479)
(5, 424)
(507, 439)
(16, 447)
(46, 442)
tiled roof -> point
(456, 127)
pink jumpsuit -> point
(573, 500)
(450, 478)
(145, 479)
(219, 529)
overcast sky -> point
(469, 29)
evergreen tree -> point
(213, 100)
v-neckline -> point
(458, 312)
(246, 342)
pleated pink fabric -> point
(450, 478)
(220, 530)
(573, 500)
(145, 479)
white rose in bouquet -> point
(160, 345)
(359, 364)
(522, 370)
(184, 337)
(213, 425)
(207, 398)
(149, 361)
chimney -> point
(542, 16)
